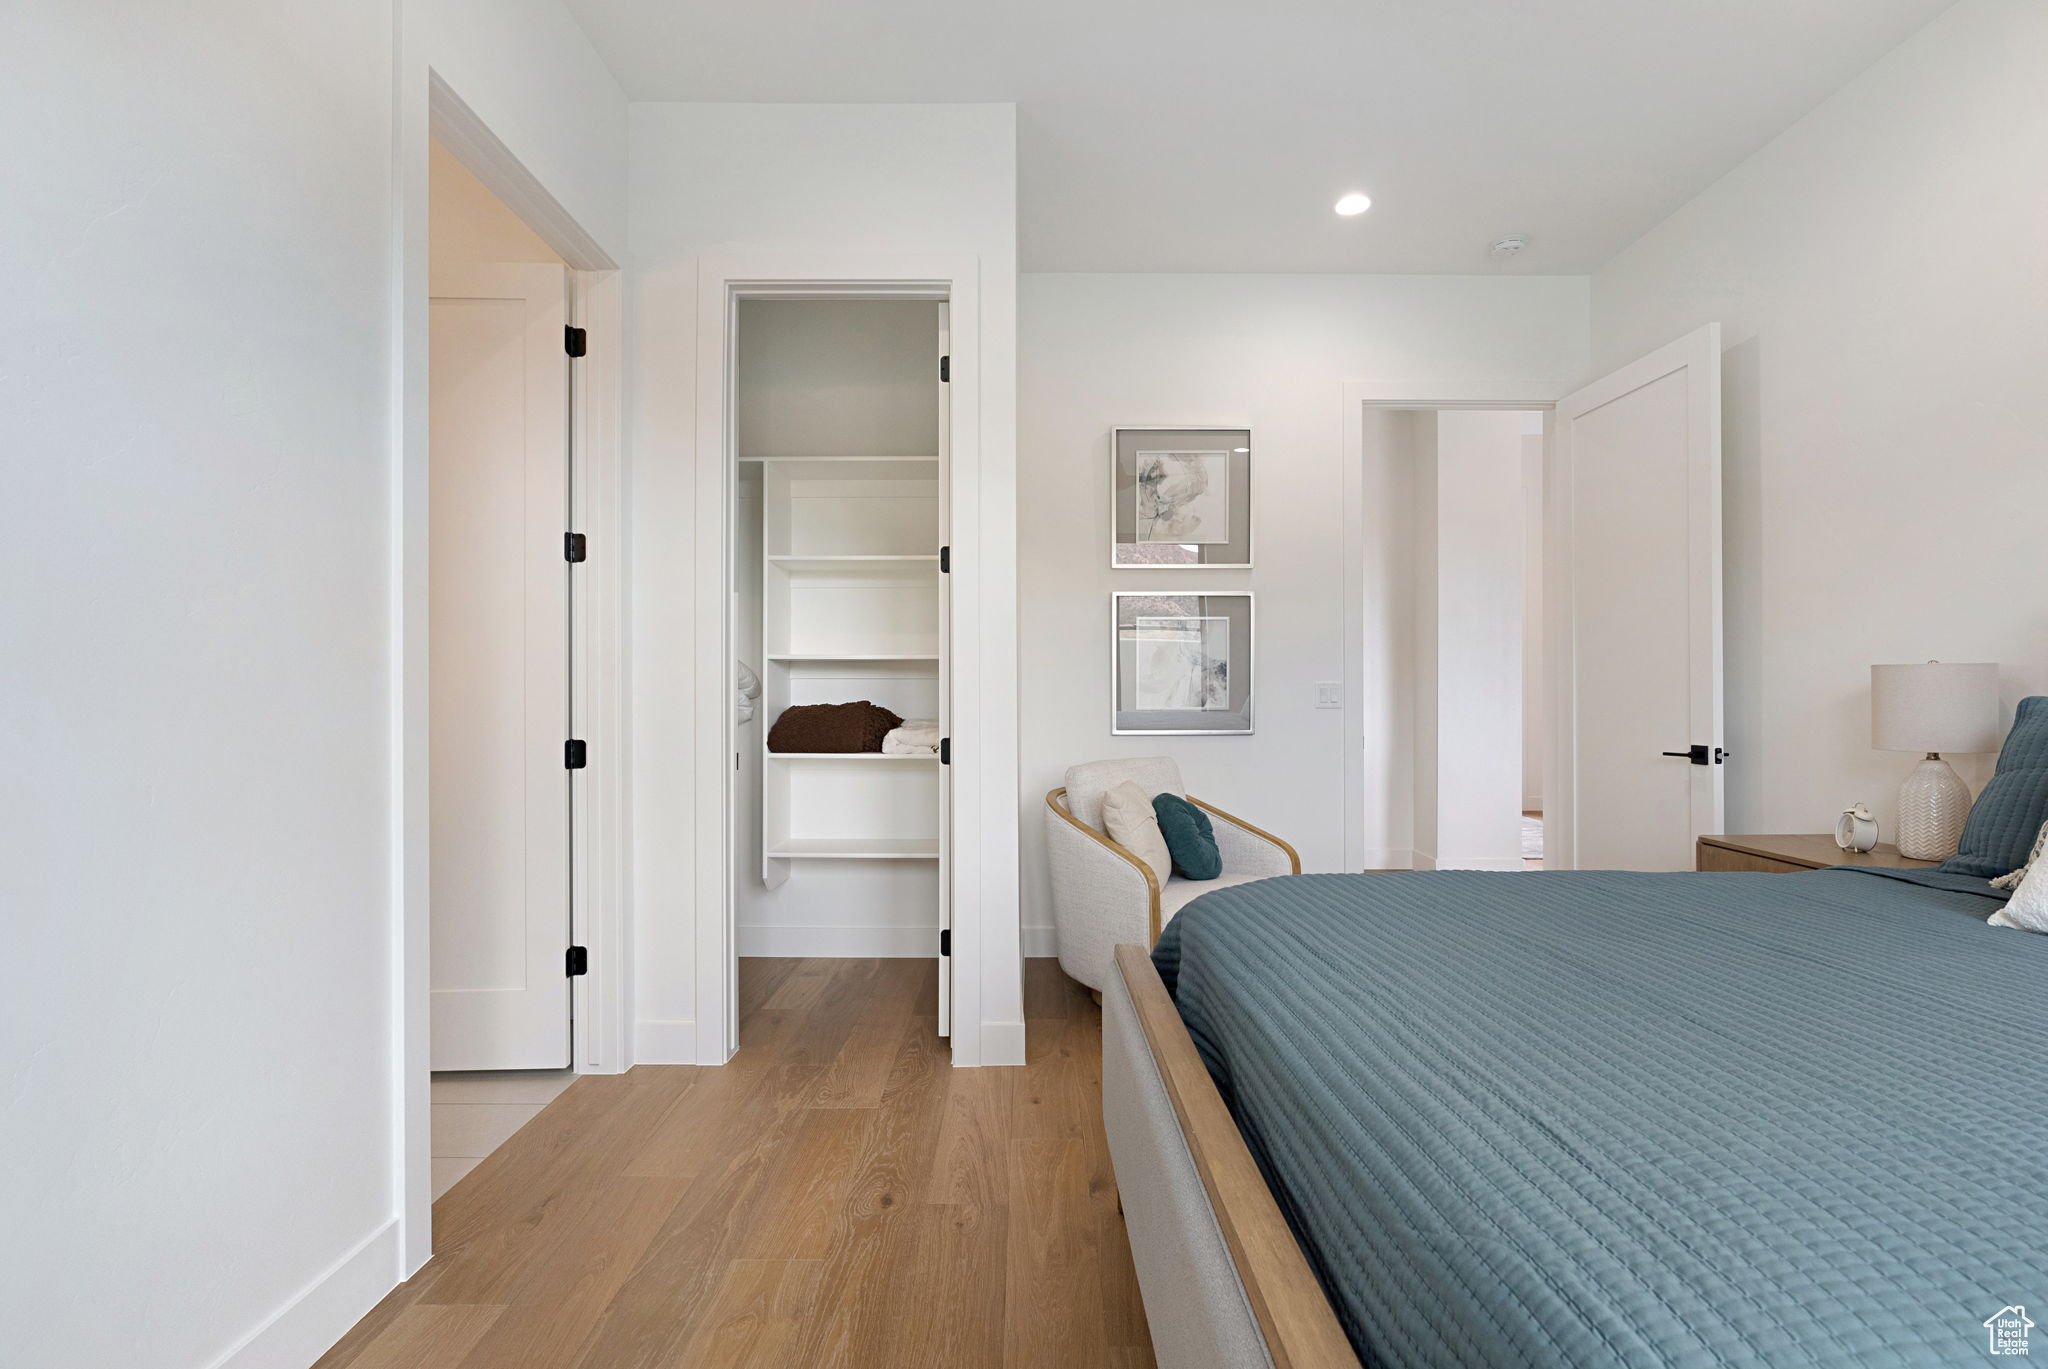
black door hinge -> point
(945, 751)
(945, 941)
(575, 341)
(945, 560)
(575, 755)
(578, 961)
(573, 546)
(945, 368)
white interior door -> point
(1635, 612)
(499, 667)
(945, 673)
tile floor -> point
(474, 1114)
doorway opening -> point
(500, 670)
(840, 439)
(1453, 587)
(1629, 689)
(497, 273)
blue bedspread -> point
(1606, 1118)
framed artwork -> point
(1181, 663)
(1181, 497)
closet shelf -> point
(846, 656)
(856, 848)
(864, 757)
(845, 470)
(828, 457)
(845, 563)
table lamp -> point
(1936, 707)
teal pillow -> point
(1190, 840)
(1999, 834)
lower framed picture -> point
(1181, 663)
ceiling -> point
(1198, 135)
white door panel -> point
(1635, 490)
(499, 667)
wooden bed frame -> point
(1294, 1319)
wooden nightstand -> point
(1789, 855)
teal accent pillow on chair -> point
(1190, 840)
(1999, 833)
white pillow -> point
(2027, 909)
(1128, 818)
(2012, 880)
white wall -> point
(1417, 653)
(1397, 448)
(1535, 719)
(196, 679)
(528, 72)
(1272, 351)
(1479, 511)
(848, 377)
(200, 675)
(1878, 274)
(830, 180)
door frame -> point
(1359, 396)
(984, 801)
(599, 852)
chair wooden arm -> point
(1056, 800)
(1293, 856)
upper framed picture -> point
(1180, 497)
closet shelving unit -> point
(850, 610)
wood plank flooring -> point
(837, 1195)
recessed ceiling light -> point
(1354, 203)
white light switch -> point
(1330, 695)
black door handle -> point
(1699, 755)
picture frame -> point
(1181, 664)
(1180, 498)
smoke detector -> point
(1509, 246)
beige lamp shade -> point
(1939, 706)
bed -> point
(1587, 1118)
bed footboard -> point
(1224, 1283)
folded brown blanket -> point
(832, 727)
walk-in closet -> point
(840, 439)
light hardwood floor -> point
(837, 1195)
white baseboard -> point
(903, 943)
(1040, 942)
(322, 1312)
(1485, 863)
(840, 941)
(1421, 860)
(1002, 1043)
(1388, 858)
(665, 1041)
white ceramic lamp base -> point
(1932, 805)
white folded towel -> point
(748, 686)
(917, 737)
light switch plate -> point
(1330, 695)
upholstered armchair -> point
(1103, 896)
